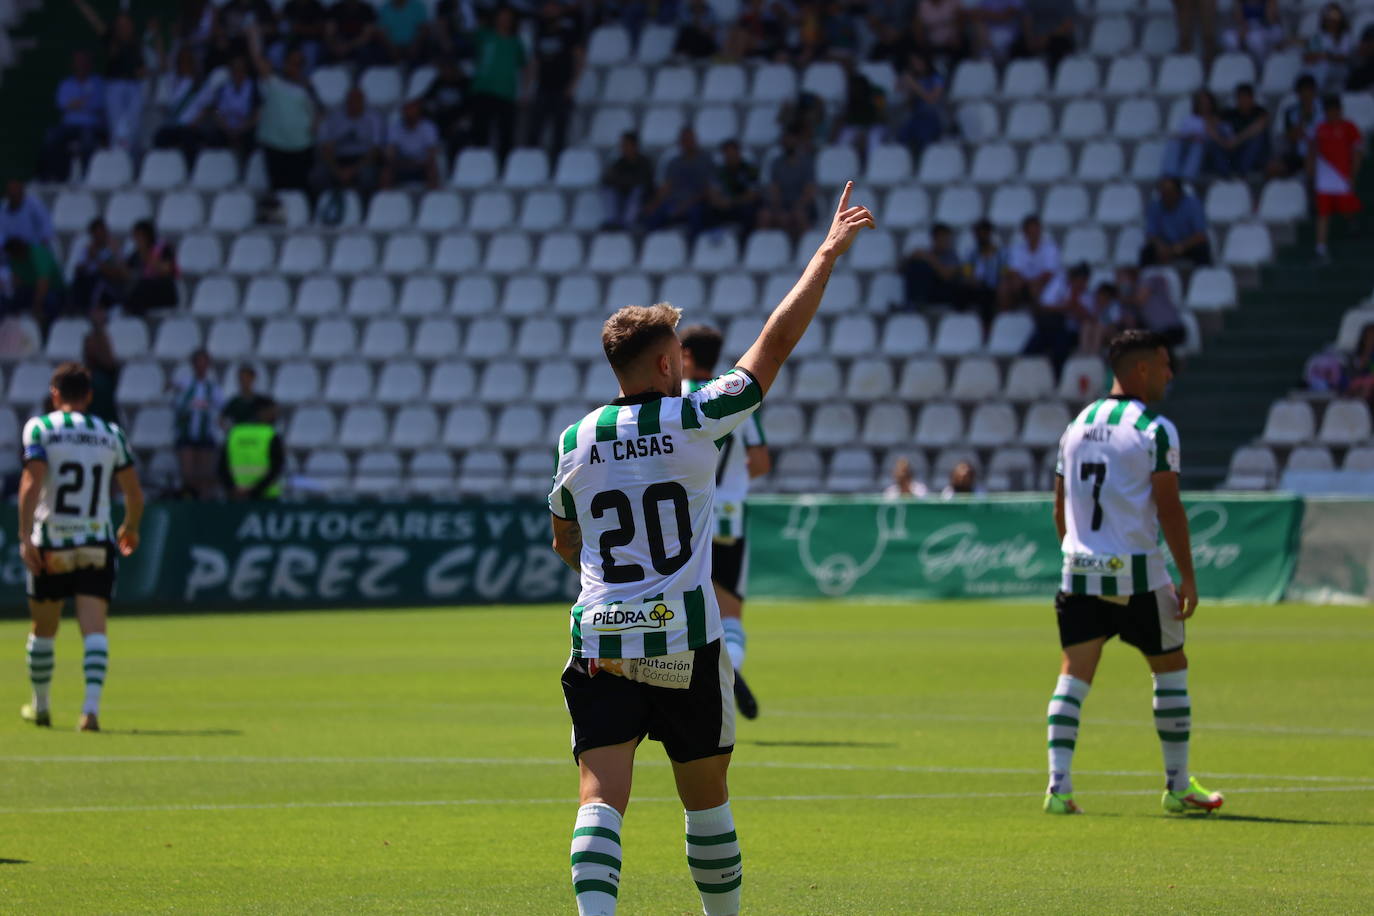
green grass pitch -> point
(417, 762)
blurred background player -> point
(1116, 487)
(743, 456)
(65, 537)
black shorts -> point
(730, 566)
(697, 722)
(98, 582)
(1145, 621)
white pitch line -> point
(567, 762)
(466, 802)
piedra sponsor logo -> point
(956, 548)
(619, 618)
(1102, 566)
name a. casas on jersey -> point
(641, 447)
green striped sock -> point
(96, 662)
(1174, 721)
(596, 859)
(714, 859)
(41, 661)
(1062, 719)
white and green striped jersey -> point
(83, 453)
(197, 402)
(732, 472)
(639, 476)
(1106, 458)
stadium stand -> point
(431, 341)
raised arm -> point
(1173, 521)
(255, 53)
(789, 321)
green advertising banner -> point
(256, 556)
(1244, 547)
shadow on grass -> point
(174, 732)
(14, 861)
(1243, 819)
(820, 743)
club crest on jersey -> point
(732, 384)
(620, 618)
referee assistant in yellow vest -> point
(253, 459)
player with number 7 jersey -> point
(633, 511)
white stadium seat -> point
(348, 383)
(939, 425)
(608, 45)
(992, 425)
(162, 169)
(281, 339)
(385, 339)
(1044, 424)
(922, 379)
(1229, 71)
(655, 44)
(456, 253)
(1345, 422)
(141, 383)
(126, 208)
(319, 295)
(377, 473)
(825, 79)
(973, 79)
(251, 254)
(1083, 243)
(1310, 458)
(1283, 200)
(1046, 163)
(1289, 423)
(1128, 76)
(180, 211)
(326, 470)
(474, 168)
(364, 426)
(542, 211)
(1137, 119)
(1228, 202)
(451, 382)
(724, 83)
(1083, 119)
(1082, 378)
(311, 427)
(1119, 204)
(888, 164)
(109, 169)
(1030, 378)
(153, 428)
(976, 378)
(577, 168)
(129, 337)
(1247, 245)
(389, 211)
(1009, 334)
(1111, 36)
(215, 170)
(1030, 121)
(230, 338)
(370, 295)
(405, 253)
(1011, 204)
(673, 85)
(333, 338)
(215, 296)
(994, 163)
(73, 210)
(958, 334)
(300, 255)
(1179, 75)
(1253, 467)
(526, 168)
(232, 211)
(440, 211)
(296, 383)
(1026, 78)
(524, 295)
(1076, 76)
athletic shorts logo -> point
(618, 618)
(732, 384)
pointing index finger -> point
(844, 197)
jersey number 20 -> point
(618, 502)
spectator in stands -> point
(1299, 120)
(23, 216)
(36, 280)
(153, 269)
(445, 103)
(124, 72)
(963, 481)
(735, 194)
(98, 354)
(924, 91)
(1034, 262)
(939, 29)
(1244, 149)
(303, 25)
(1361, 77)
(233, 25)
(1049, 29)
(404, 29)
(232, 111)
(1193, 137)
(351, 34)
(697, 30)
(287, 122)
(760, 31)
(100, 277)
(193, 25)
(1361, 384)
(934, 275)
(1327, 55)
(626, 184)
(351, 146)
(196, 401)
(1102, 321)
(246, 402)
(1256, 27)
(497, 82)
(1333, 161)
(1175, 228)
(997, 24)
(1194, 17)
(790, 198)
(412, 149)
(904, 483)
(559, 57)
(81, 99)
(681, 198)
(991, 285)
(1063, 308)
(182, 100)
(253, 459)
(1147, 302)
(863, 120)
(455, 23)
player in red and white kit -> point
(1333, 161)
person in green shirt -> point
(253, 458)
(37, 279)
(498, 81)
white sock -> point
(596, 859)
(1063, 715)
(1173, 721)
(734, 640)
(40, 652)
(96, 662)
(714, 859)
